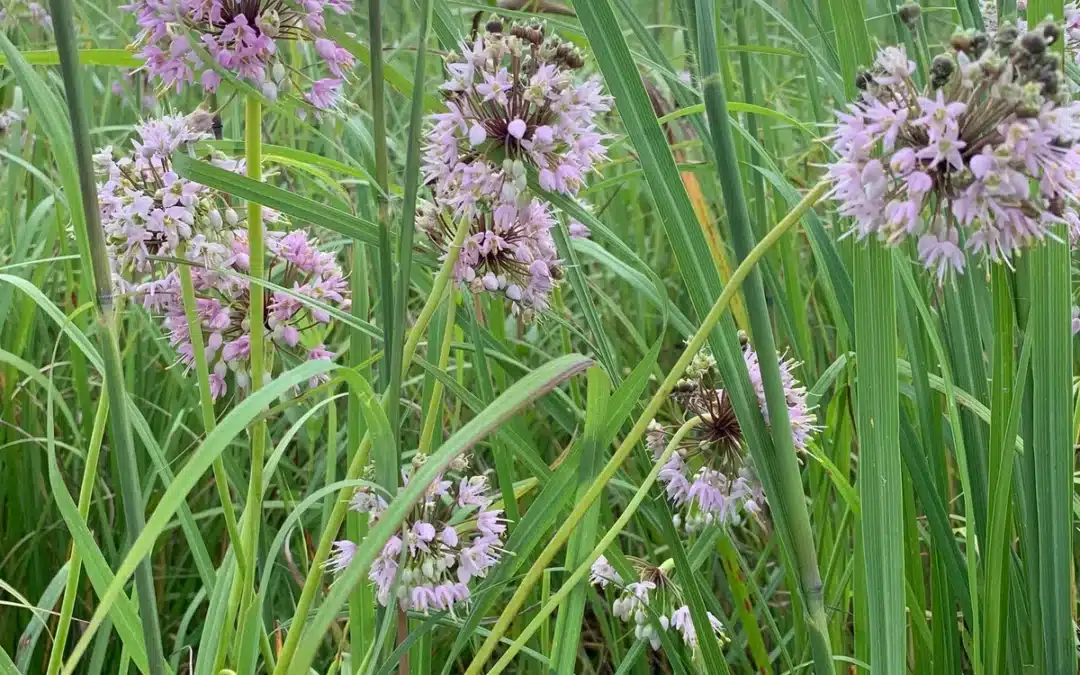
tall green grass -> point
(928, 527)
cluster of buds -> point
(981, 161)
(451, 536)
(513, 107)
(654, 593)
(151, 217)
(240, 37)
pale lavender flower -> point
(601, 573)
(1075, 320)
(511, 101)
(440, 559)
(981, 162)
(707, 478)
(241, 37)
(150, 214)
(681, 621)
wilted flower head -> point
(512, 106)
(981, 161)
(451, 536)
(241, 37)
(654, 593)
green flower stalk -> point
(119, 423)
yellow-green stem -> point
(434, 415)
(692, 347)
(598, 550)
(256, 358)
(86, 490)
(356, 467)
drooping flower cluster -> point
(514, 106)
(982, 160)
(151, 215)
(451, 536)
(707, 477)
(240, 36)
(655, 592)
(22, 13)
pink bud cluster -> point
(241, 36)
(653, 593)
(151, 216)
(450, 537)
(513, 107)
(981, 162)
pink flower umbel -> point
(451, 536)
(655, 593)
(241, 38)
(982, 162)
(513, 107)
(150, 214)
(707, 479)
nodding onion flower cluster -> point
(655, 592)
(150, 214)
(16, 13)
(451, 536)
(513, 106)
(980, 162)
(707, 478)
(240, 36)
(1071, 23)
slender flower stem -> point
(257, 331)
(784, 488)
(608, 538)
(593, 493)
(437, 389)
(360, 459)
(120, 424)
(86, 490)
(202, 372)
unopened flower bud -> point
(909, 14)
(1033, 42)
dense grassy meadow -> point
(607, 337)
